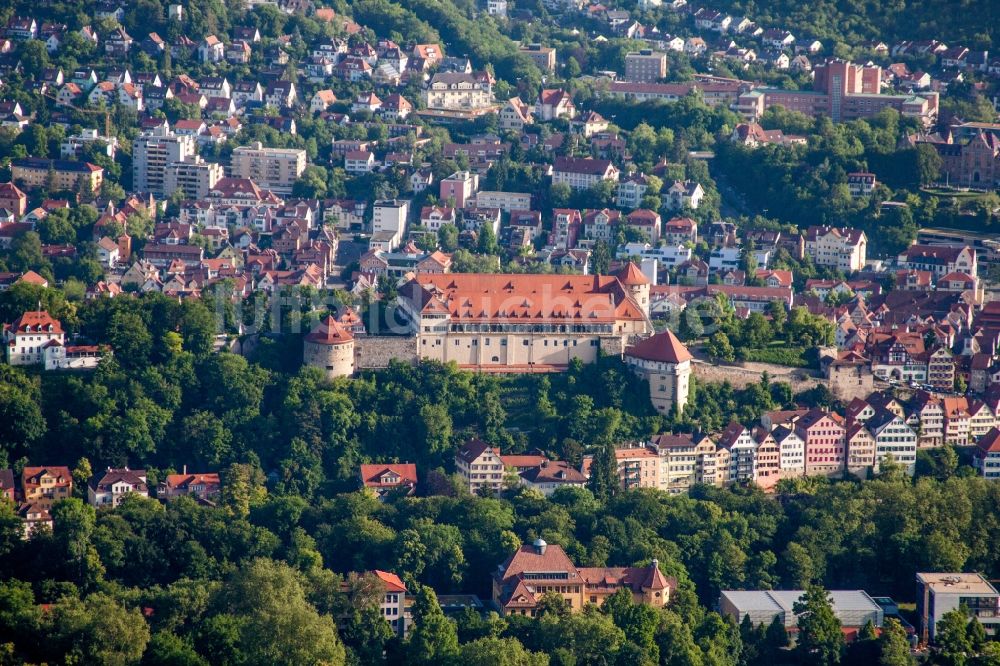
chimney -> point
(655, 563)
(185, 470)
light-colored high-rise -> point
(274, 169)
(152, 151)
(193, 176)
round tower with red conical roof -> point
(330, 348)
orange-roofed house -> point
(393, 605)
(45, 485)
(538, 568)
(520, 322)
(29, 335)
(329, 347)
(202, 486)
(665, 363)
(390, 478)
(986, 458)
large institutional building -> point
(842, 91)
(524, 323)
(521, 581)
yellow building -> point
(56, 175)
(538, 568)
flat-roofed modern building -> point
(854, 608)
(275, 169)
(939, 593)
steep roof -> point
(36, 320)
(664, 347)
(329, 332)
(391, 581)
(631, 275)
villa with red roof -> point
(521, 581)
(665, 363)
(390, 478)
(27, 337)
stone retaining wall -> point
(375, 351)
(740, 376)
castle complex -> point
(521, 323)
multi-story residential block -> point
(389, 216)
(359, 161)
(941, 369)
(521, 581)
(841, 248)
(152, 151)
(56, 175)
(275, 169)
(939, 593)
(645, 66)
(791, 451)
(982, 419)
(739, 442)
(459, 187)
(459, 91)
(861, 447)
(663, 361)
(601, 224)
(43, 486)
(823, 435)
(544, 57)
(109, 488)
(480, 466)
(893, 438)
(684, 461)
(193, 176)
(631, 191)
(505, 201)
(957, 421)
(768, 458)
(986, 458)
(71, 145)
(582, 173)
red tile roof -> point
(663, 347)
(329, 332)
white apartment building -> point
(71, 145)
(582, 173)
(840, 247)
(152, 151)
(893, 438)
(480, 465)
(193, 176)
(459, 91)
(389, 217)
(274, 169)
(791, 451)
(505, 201)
